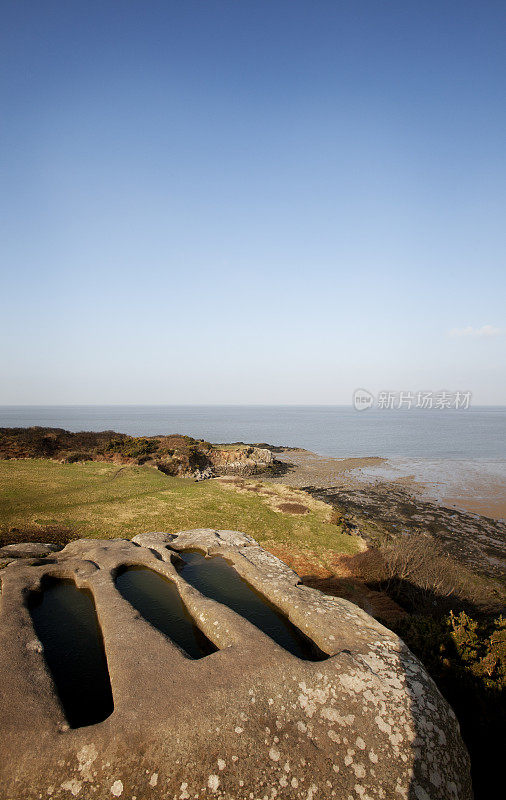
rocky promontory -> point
(173, 454)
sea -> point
(338, 431)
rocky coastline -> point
(382, 509)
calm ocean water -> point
(339, 431)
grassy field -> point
(101, 500)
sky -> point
(265, 201)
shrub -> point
(467, 659)
(416, 571)
(130, 447)
(71, 458)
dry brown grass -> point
(293, 508)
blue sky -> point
(263, 202)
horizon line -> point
(207, 405)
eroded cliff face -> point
(244, 460)
(247, 720)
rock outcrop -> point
(245, 460)
(28, 550)
(248, 721)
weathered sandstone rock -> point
(28, 550)
(250, 721)
(241, 461)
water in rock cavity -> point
(157, 600)
(65, 620)
(217, 579)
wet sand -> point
(476, 486)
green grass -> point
(101, 500)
